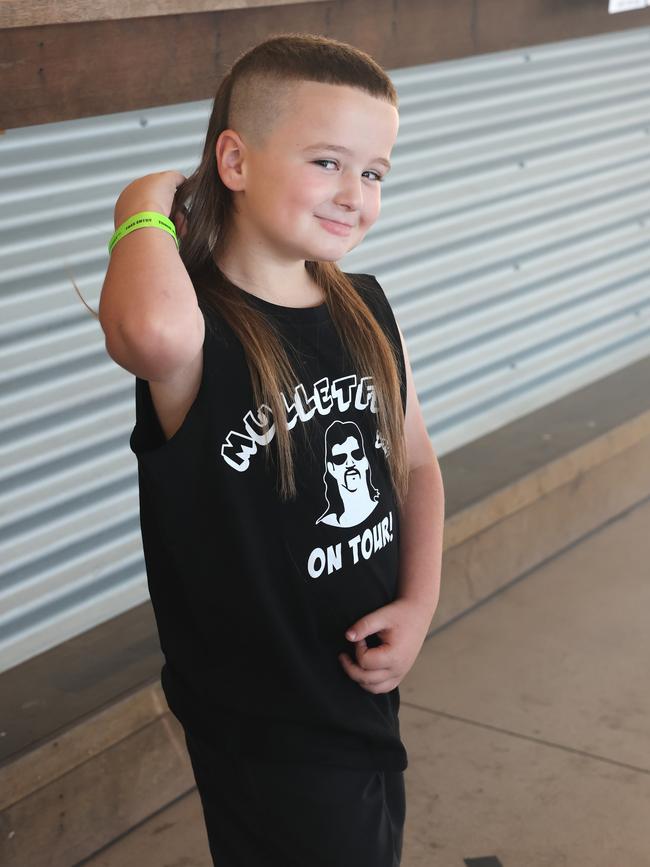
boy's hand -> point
(402, 626)
(152, 192)
(180, 221)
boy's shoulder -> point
(371, 291)
(366, 284)
(362, 279)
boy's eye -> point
(372, 172)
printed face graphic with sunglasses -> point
(349, 491)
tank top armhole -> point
(383, 310)
(147, 440)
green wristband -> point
(140, 221)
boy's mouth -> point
(335, 226)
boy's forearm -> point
(146, 283)
(421, 531)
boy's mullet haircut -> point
(252, 96)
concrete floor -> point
(527, 723)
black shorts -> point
(263, 813)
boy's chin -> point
(329, 255)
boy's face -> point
(288, 194)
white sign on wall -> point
(627, 5)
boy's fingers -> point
(181, 223)
(365, 675)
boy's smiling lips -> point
(337, 222)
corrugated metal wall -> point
(513, 243)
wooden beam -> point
(59, 71)
(18, 13)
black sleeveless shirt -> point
(252, 595)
